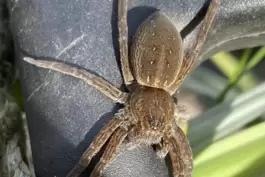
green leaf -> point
(240, 155)
(241, 65)
(236, 75)
(226, 118)
(259, 55)
(229, 64)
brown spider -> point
(158, 66)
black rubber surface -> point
(64, 114)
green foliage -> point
(228, 140)
(239, 155)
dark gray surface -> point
(64, 114)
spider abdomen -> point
(156, 52)
(153, 108)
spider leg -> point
(95, 81)
(134, 138)
(123, 41)
(96, 145)
(180, 154)
(190, 57)
(110, 152)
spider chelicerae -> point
(156, 70)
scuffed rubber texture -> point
(64, 114)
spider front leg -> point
(97, 144)
(110, 152)
(180, 154)
(176, 144)
(195, 50)
(193, 53)
(123, 42)
(95, 81)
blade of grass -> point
(240, 68)
(259, 55)
(241, 65)
(226, 118)
(232, 156)
(228, 64)
(236, 75)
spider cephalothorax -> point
(153, 111)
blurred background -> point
(225, 97)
